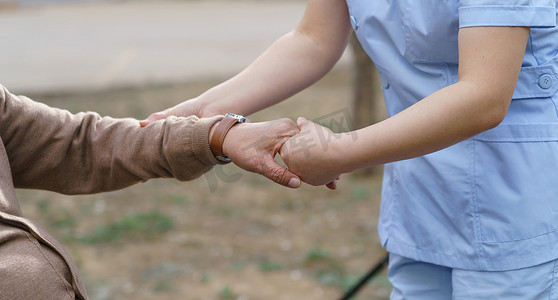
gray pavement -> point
(71, 47)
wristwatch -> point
(221, 130)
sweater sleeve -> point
(55, 150)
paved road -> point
(100, 45)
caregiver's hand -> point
(253, 146)
(315, 154)
(190, 107)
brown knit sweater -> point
(48, 148)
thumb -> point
(280, 174)
(154, 117)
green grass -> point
(44, 206)
(136, 226)
(338, 278)
(177, 199)
(316, 254)
(66, 220)
(227, 293)
(238, 266)
(270, 266)
(204, 278)
(162, 286)
(360, 193)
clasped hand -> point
(305, 147)
(314, 154)
(310, 151)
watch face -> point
(240, 118)
(223, 158)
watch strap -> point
(218, 137)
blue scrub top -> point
(489, 203)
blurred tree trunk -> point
(368, 107)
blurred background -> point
(228, 234)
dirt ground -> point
(226, 235)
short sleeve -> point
(532, 13)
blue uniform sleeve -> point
(533, 13)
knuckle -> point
(159, 115)
(287, 121)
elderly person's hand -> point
(253, 146)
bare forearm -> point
(291, 64)
(440, 120)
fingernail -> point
(294, 182)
